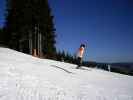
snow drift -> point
(23, 77)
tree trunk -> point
(30, 43)
(20, 46)
(40, 39)
(35, 43)
(38, 42)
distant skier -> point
(80, 55)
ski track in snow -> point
(23, 77)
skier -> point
(80, 55)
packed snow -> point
(23, 77)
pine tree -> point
(1, 36)
(29, 26)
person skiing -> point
(80, 55)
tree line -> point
(29, 28)
(66, 57)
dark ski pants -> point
(79, 62)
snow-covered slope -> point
(23, 77)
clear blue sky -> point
(105, 26)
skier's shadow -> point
(62, 69)
(85, 69)
(82, 69)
